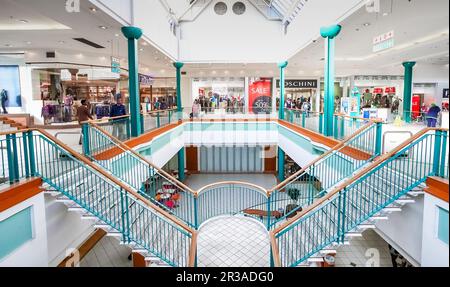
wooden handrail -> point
(193, 249)
(159, 111)
(262, 189)
(328, 152)
(108, 176)
(127, 148)
(105, 119)
(275, 250)
(356, 177)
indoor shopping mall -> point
(224, 133)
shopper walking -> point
(432, 116)
(83, 114)
(68, 103)
(119, 124)
(4, 99)
(196, 108)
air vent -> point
(89, 43)
(220, 8)
(239, 8)
(50, 55)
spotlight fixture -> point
(93, 9)
(103, 27)
(23, 21)
(367, 24)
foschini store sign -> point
(295, 84)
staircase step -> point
(379, 217)
(315, 259)
(353, 234)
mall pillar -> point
(281, 154)
(407, 94)
(181, 153)
(282, 66)
(329, 33)
(133, 34)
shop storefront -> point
(159, 93)
(298, 92)
(220, 94)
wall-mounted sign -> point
(115, 65)
(260, 96)
(383, 42)
(293, 84)
(445, 94)
(145, 80)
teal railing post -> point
(281, 157)
(170, 116)
(26, 159)
(282, 66)
(196, 212)
(407, 91)
(443, 154)
(142, 124)
(336, 130)
(343, 217)
(133, 34)
(127, 212)
(86, 141)
(379, 138)
(158, 120)
(339, 214)
(268, 212)
(329, 33)
(437, 152)
(128, 127)
(272, 263)
(321, 123)
(10, 157)
(31, 153)
(342, 131)
(15, 158)
(122, 207)
(303, 119)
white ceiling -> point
(420, 26)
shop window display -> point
(10, 95)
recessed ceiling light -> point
(93, 9)
(366, 24)
(144, 43)
(23, 21)
(141, 49)
(357, 29)
(8, 45)
(28, 42)
(385, 13)
(103, 27)
(117, 35)
(61, 42)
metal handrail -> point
(356, 177)
(217, 184)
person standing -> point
(83, 114)
(4, 99)
(68, 103)
(119, 124)
(196, 108)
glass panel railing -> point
(309, 120)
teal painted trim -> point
(31, 153)
(181, 173)
(15, 231)
(282, 66)
(303, 119)
(437, 152)
(379, 139)
(321, 123)
(15, 158)
(196, 226)
(26, 160)
(86, 141)
(281, 156)
(158, 120)
(443, 155)
(178, 66)
(407, 90)
(10, 157)
(132, 32)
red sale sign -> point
(416, 101)
(260, 96)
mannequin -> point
(4, 99)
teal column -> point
(178, 66)
(181, 153)
(281, 156)
(329, 33)
(407, 90)
(133, 34)
(282, 66)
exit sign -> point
(383, 42)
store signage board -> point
(383, 42)
(115, 65)
(292, 84)
(145, 80)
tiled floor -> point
(233, 242)
(198, 181)
(107, 253)
(367, 251)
